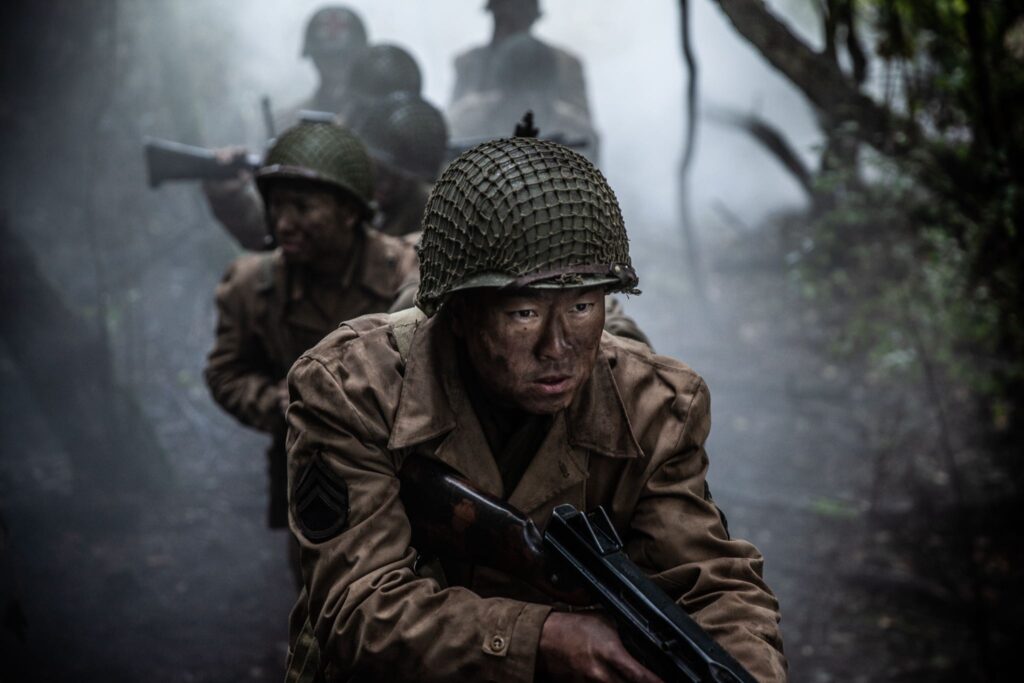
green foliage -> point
(922, 251)
(832, 507)
(886, 255)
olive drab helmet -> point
(321, 152)
(384, 69)
(334, 29)
(408, 134)
(521, 212)
(529, 9)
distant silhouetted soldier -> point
(475, 71)
(526, 74)
(335, 39)
(379, 72)
(407, 138)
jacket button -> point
(497, 643)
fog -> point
(155, 563)
(633, 64)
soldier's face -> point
(532, 349)
(313, 226)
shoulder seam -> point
(649, 358)
(337, 384)
(355, 332)
(701, 385)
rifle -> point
(167, 160)
(578, 560)
(525, 128)
(268, 117)
(457, 147)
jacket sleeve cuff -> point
(519, 648)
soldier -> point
(507, 377)
(407, 138)
(526, 79)
(381, 71)
(335, 39)
(474, 70)
(329, 267)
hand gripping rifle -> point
(169, 160)
(578, 560)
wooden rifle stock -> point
(451, 516)
(168, 160)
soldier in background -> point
(236, 205)
(334, 41)
(474, 70)
(526, 78)
(381, 71)
(407, 138)
(329, 266)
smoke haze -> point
(178, 580)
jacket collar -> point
(433, 403)
(597, 419)
(375, 256)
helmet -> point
(529, 10)
(407, 133)
(521, 212)
(383, 69)
(333, 29)
(322, 152)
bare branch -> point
(692, 109)
(829, 13)
(771, 139)
(858, 56)
(819, 78)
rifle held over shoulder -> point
(578, 560)
(168, 160)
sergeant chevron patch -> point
(320, 502)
